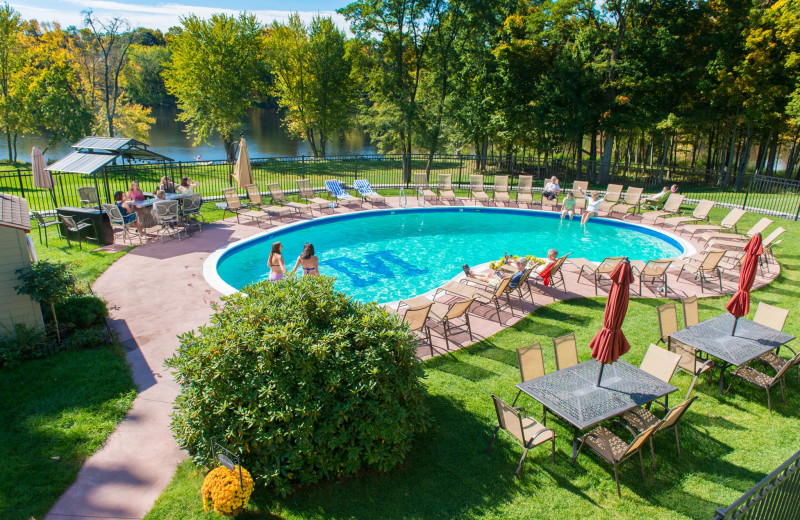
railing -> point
(769, 195)
(776, 497)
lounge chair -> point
(277, 196)
(671, 207)
(336, 190)
(700, 214)
(690, 361)
(580, 202)
(234, 205)
(729, 222)
(45, 222)
(656, 203)
(254, 196)
(769, 243)
(443, 313)
(762, 380)
(555, 274)
(421, 186)
(365, 190)
(612, 196)
(739, 243)
(480, 293)
(632, 200)
(525, 190)
(306, 192)
(417, 320)
(445, 187)
(531, 364)
(597, 271)
(613, 449)
(708, 264)
(525, 431)
(476, 189)
(500, 190)
(116, 218)
(544, 201)
(88, 196)
(757, 228)
(640, 419)
(566, 351)
(656, 270)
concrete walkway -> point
(156, 292)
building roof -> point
(92, 153)
(14, 212)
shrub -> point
(81, 312)
(306, 383)
(20, 343)
(92, 338)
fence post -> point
(21, 187)
(460, 167)
(356, 172)
(303, 167)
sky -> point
(156, 14)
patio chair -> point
(632, 200)
(774, 318)
(762, 380)
(531, 364)
(580, 202)
(699, 214)
(306, 192)
(476, 190)
(656, 203)
(167, 215)
(690, 360)
(671, 207)
(613, 449)
(708, 265)
(770, 242)
(605, 268)
(544, 201)
(660, 362)
(640, 419)
(277, 196)
(612, 196)
(445, 187)
(44, 223)
(480, 293)
(190, 210)
(336, 190)
(525, 431)
(729, 222)
(566, 351)
(757, 228)
(421, 186)
(525, 190)
(116, 218)
(556, 276)
(735, 242)
(88, 196)
(691, 312)
(445, 314)
(417, 320)
(234, 205)
(367, 194)
(254, 196)
(69, 225)
(500, 189)
(656, 270)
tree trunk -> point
(230, 153)
(772, 154)
(55, 320)
(711, 137)
(743, 160)
(605, 159)
(579, 159)
(593, 154)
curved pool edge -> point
(216, 282)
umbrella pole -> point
(600, 374)
(735, 321)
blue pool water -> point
(391, 255)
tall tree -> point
(11, 61)
(217, 72)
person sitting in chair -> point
(494, 277)
(551, 189)
(126, 208)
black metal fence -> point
(777, 497)
(769, 195)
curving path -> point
(156, 292)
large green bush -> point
(82, 312)
(306, 383)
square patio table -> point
(572, 394)
(713, 336)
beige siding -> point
(14, 308)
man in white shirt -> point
(551, 189)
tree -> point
(142, 78)
(11, 61)
(217, 72)
(47, 282)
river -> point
(262, 128)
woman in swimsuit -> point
(275, 262)
(592, 206)
(307, 261)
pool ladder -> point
(402, 199)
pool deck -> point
(157, 291)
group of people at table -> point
(126, 202)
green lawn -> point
(728, 443)
(56, 412)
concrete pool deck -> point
(157, 291)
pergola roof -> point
(92, 153)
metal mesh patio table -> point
(713, 336)
(572, 394)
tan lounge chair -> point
(632, 200)
(480, 293)
(729, 222)
(544, 201)
(580, 203)
(445, 188)
(690, 361)
(531, 364)
(739, 243)
(417, 320)
(612, 196)
(556, 276)
(656, 270)
(566, 351)
(476, 189)
(597, 271)
(708, 265)
(525, 190)
(525, 431)
(278, 197)
(500, 190)
(758, 227)
(254, 196)
(700, 214)
(671, 207)
(421, 187)
(306, 192)
(234, 205)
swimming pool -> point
(388, 255)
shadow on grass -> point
(456, 366)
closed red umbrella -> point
(740, 303)
(610, 343)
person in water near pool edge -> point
(308, 261)
(277, 268)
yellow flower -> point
(222, 491)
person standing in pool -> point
(277, 268)
(308, 261)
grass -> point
(56, 412)
(729, 443)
